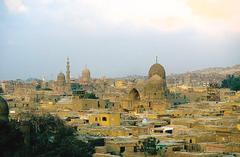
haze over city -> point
(116, 38)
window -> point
(169, 131)
(96, 119)
(104, 118)
(122, 149)
(176, 149)
(135, 149)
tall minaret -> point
(68, 71)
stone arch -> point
(134, 95)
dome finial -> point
(156, 59)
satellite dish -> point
(144, 121)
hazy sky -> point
(116, 37)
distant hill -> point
(29, 80)
(200, 77)
(131, 77)
(220, 70)
(212, 72)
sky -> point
(115, 38)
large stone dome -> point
(4, 110)
(157, 69)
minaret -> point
(68, 71)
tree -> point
(1, 90)
(11, 139)
(42, 136)
(49, 136)
(232, 82)
(150, 145)
(90, 96)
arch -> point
(134, 95)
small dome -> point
(86, 71)
(61, 79)
(157, 69)
(61, 75)
(140, 83)
(155, 80)
(155, 83)
(4, 110)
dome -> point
(61, 79)
(157, 69)
(155, 87)
(85, 78)
(86, 72)
(4, 110)
(155, 83)
(155, 80)
(61, 76)
(140, 83)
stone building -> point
(105, 119)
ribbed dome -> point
(4, 110)
(86, 72)
(157, 69)
(85, 78)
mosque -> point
(63, 80)
(150, 94)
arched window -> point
(104, 118)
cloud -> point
(215, 15)
(141, 14)
(210, 16)
(16, 6)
